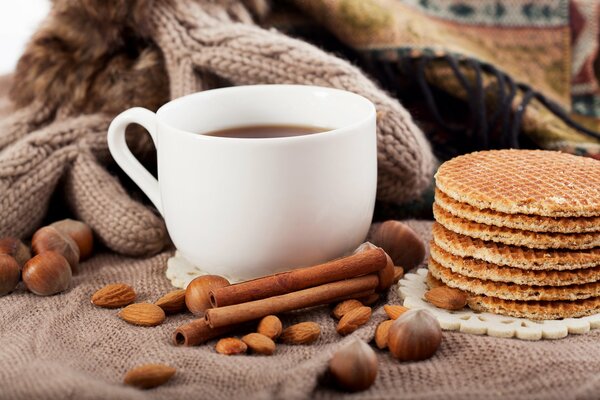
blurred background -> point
(18, 21)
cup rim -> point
(370, 113)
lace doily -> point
(412, 287)
(181, 272)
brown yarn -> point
(122, 224)
(70, 83)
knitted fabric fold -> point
(247, 55)
(122, 224)
(67, 87)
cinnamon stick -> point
(357, 296)
(198, 332)
(314, 296)
(386, 275)
(361, 263)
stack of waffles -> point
(519, 230)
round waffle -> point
(538, 182)
(473, 268)
(536, 310)
(533, 223)
(512, 291)
(513, 256)
(516, 237)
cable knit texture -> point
(70, 82)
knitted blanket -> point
(63, 347)
(89, 61)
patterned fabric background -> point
(584, 20)
(488, 66)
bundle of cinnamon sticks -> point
(361, 274)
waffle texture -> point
(516, 237)
(473, 268)
(535, 182)
(540, 310)
(519, 231)
(526, 222)
(536, 310)
(514, 256)
(512, 291)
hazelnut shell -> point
(354, 366)
(49, 238)
(197, 298)
(415, 335)
(10, 273)
(47, 273)
(401, 242)
(15, 248)
(81, 234)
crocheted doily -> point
(181, 272)
(412, 287)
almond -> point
(447, 298)
(394, 311)
(398, 273)
(345, 306)
(270, 326)
(259, 343)
(172, 302)
(353, 319)
(149, 376)
(143, 314)
(382, 332)
(302, 333)
(231, 346)
(115, 295)
(432, 281)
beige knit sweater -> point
(48, 145)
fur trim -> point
(92, 56)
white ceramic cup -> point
(250, 207)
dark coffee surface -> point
(266, 131)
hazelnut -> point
(354, 366)
(80, 232)
(197, 297)
(10, 273)
(15, 248)
(401, 242)
(415, 335)
(47, 273)
(51, 239)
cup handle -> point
(123, 156)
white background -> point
(18, 21)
